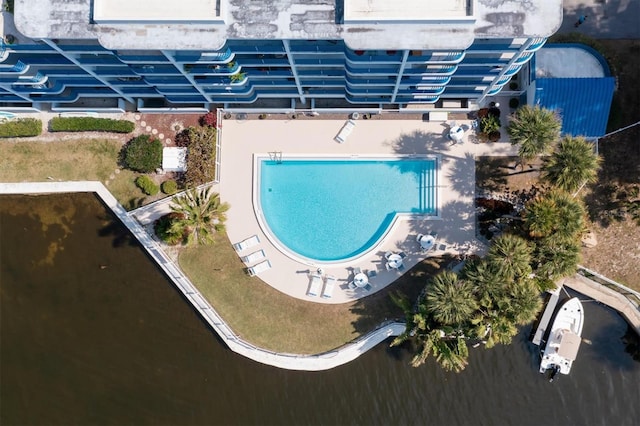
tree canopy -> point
(535, 129)
(573, 163)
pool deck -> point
(241, 139)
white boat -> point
(564, 339)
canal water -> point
(92, 333)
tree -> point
(555, 214)
(450, 351)
(197, 214)
(573, 163)
(450, 300)
(143, 154)
(510, 256)
(556, 258)
(535, 129)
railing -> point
(630, 294)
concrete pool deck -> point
(241, 139)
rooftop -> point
(363, 24)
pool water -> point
(330, 210)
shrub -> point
(169, 187)
(490, 124)
(201, 155)
(20, 127)
(209, 119)
(143, 154)
(513, 103)
(166, 232)
(90, 124)
(147, 185)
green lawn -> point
(70, 160)
(272, 320)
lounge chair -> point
(245, 244)
(259, 267)
(253, 257)
(315, 285)
(345, 131)
(330, 282)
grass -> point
(272, 320)
(71, 160)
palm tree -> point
(510, 255)
(535, 129)
(450, 300)
(556, 258)
(573, 163)
(555, 213)
(524, 302)
(450, 351)
(198, 214)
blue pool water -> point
(328, 210)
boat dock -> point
(546, 316)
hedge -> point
(147, 185)
(20, 127)
(90, 124)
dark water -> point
(92, 333)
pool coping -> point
(389, 231)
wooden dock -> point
(546, 316)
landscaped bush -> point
(166, 232)
(90, 124)
(143, 154)
(209, 119)
(147, 185)
(20, 127)
(169, 187)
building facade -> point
(268, 55)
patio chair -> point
(345, 131)
(402, 254)
(352, 285)
(258, 268)
(401, 267)
(386, 265)
(372, 273)
(367, 287)
(387, 254)
(245, 244)
(253, 257)
(315, 285)
(419, 237)
(357, 270)
(330, 282)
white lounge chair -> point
(259, 267)
(315, 285)
(245, 244)
(345, 131)
(328, 286)
(253, 257)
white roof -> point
(174, 159)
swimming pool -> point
(329, 210)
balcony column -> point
(403, 65)
(186, 75)
(294, 71)
(505, 68)
(87, 70)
